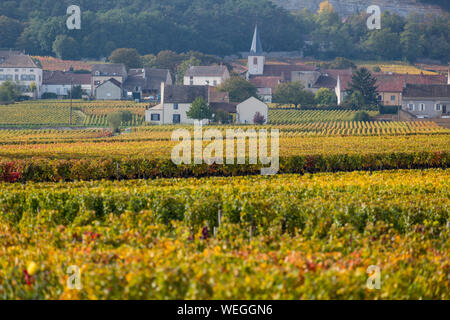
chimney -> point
(163, 90)
(163, 87)
(208, 88)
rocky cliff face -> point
(347, 7)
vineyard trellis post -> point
(71, 89)
(219, 222)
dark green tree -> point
(149, 60)
(114, 120)
(292, 93)
(168, 60)
(77, 92)
(325, 97)
(223, 117)
(364, 83)
(354, 100)
(66, 48)
(127, 116)
(199, 110)
(8, 91)
(412, 42)
(182, 68)
(361, 116)
(384, 44)
(238, 88)
(129, 57)
(10, 31)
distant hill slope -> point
(347, 7)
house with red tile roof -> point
(389, 86)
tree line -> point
(215, 27)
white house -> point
(59, 82)
(247, 110)
(177, 100)
(175, 103)
(18, 67)
(206, 75)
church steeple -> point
(256, 59)
(256, 48)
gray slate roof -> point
(147, 78)
(113, 81)
(184, 94)
(205, 71)
(426, 91)
(224, 106)
(256, 47)
(325, 81)
(16, 59)
(65, 78)
(110, 70)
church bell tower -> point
(256, 59)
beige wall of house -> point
(391, 98)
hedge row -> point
(40, 170)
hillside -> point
(348, 7)
(223, 28)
